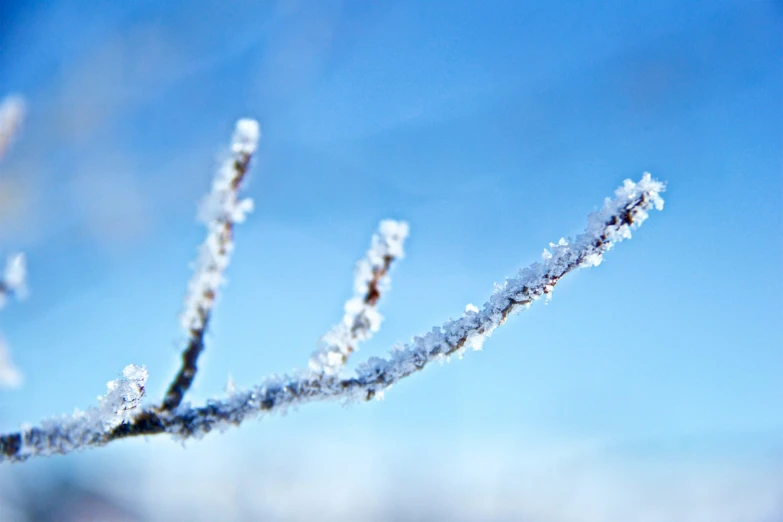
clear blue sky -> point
(493, 128)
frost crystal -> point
(122, 395)
(246, 136)
(86, 428)
(220, 210)
(231, 386)
(361, 319)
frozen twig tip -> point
(361, 319)
(220, 211)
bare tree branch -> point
(13, 284)
(12, 111)
(613, 223)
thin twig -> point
(12, 111)
(13, 284)
(221, 211)
(361, 319)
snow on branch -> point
(12, 284)
(84, 428)
(613, 223)
(220, 211)
(361, 319)
(12, 110)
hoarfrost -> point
(85, 428)
(220, 210)
(362, 319)
(122, 395)
(611, 224)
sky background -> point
(648, 389)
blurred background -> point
(649, 389)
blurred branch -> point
(83, 428)
(613, 223)
(12, 110)
(12, 284)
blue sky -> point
(493, 130)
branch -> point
(123, 395)
(613, 223)
(12, 111)
(12, 285)
(361, 319)
(220, 211)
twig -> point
(361, 319)
(612, 224)
(12, 111)
(13, 284)
(221, 210)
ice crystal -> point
(85, 428)
(220, 210)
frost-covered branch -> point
(361, 319)
(12, 110)
(613, 223)
(84, 428)
(220, 211)
(13, 284)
